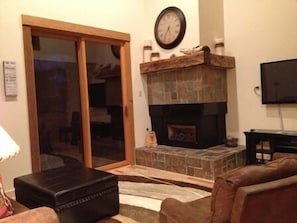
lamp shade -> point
(8, 147)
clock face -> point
(170, 27)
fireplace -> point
(187, 97)
(189, 125)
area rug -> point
(141, 197)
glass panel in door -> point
(105, 103)
(58, 102)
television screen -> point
(279, 82)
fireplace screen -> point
(181, 133)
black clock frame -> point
(182, 32)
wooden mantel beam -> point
(202, 58)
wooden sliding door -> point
(79, 95)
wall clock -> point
(170, 27)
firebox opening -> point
(181, 133)
(189, 125)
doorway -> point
(80, 100)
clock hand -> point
(168, 29)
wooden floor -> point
(161, 174)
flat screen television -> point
(279, 82)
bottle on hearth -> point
(151, 139)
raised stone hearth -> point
(204, 163)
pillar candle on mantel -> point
(147, 51)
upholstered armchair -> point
(23, 214)
(249, 194)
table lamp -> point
(8, 148)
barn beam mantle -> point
(202, 58)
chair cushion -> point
(226, 185)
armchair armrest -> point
(175, 211)
(36, 215)
(272, 202)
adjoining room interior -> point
(58, 104)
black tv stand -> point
(261, 144)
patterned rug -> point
(141, 197)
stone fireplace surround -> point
(190, 91)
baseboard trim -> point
(10, 193)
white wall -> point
(135, 17)
(211, 19)
(255, 32)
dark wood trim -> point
(31, 93)
(66, 28)
(84, 99)
(128, 102)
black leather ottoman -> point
(77, 194)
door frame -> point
(80, 33)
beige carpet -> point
(141, 197)
(133, 214)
